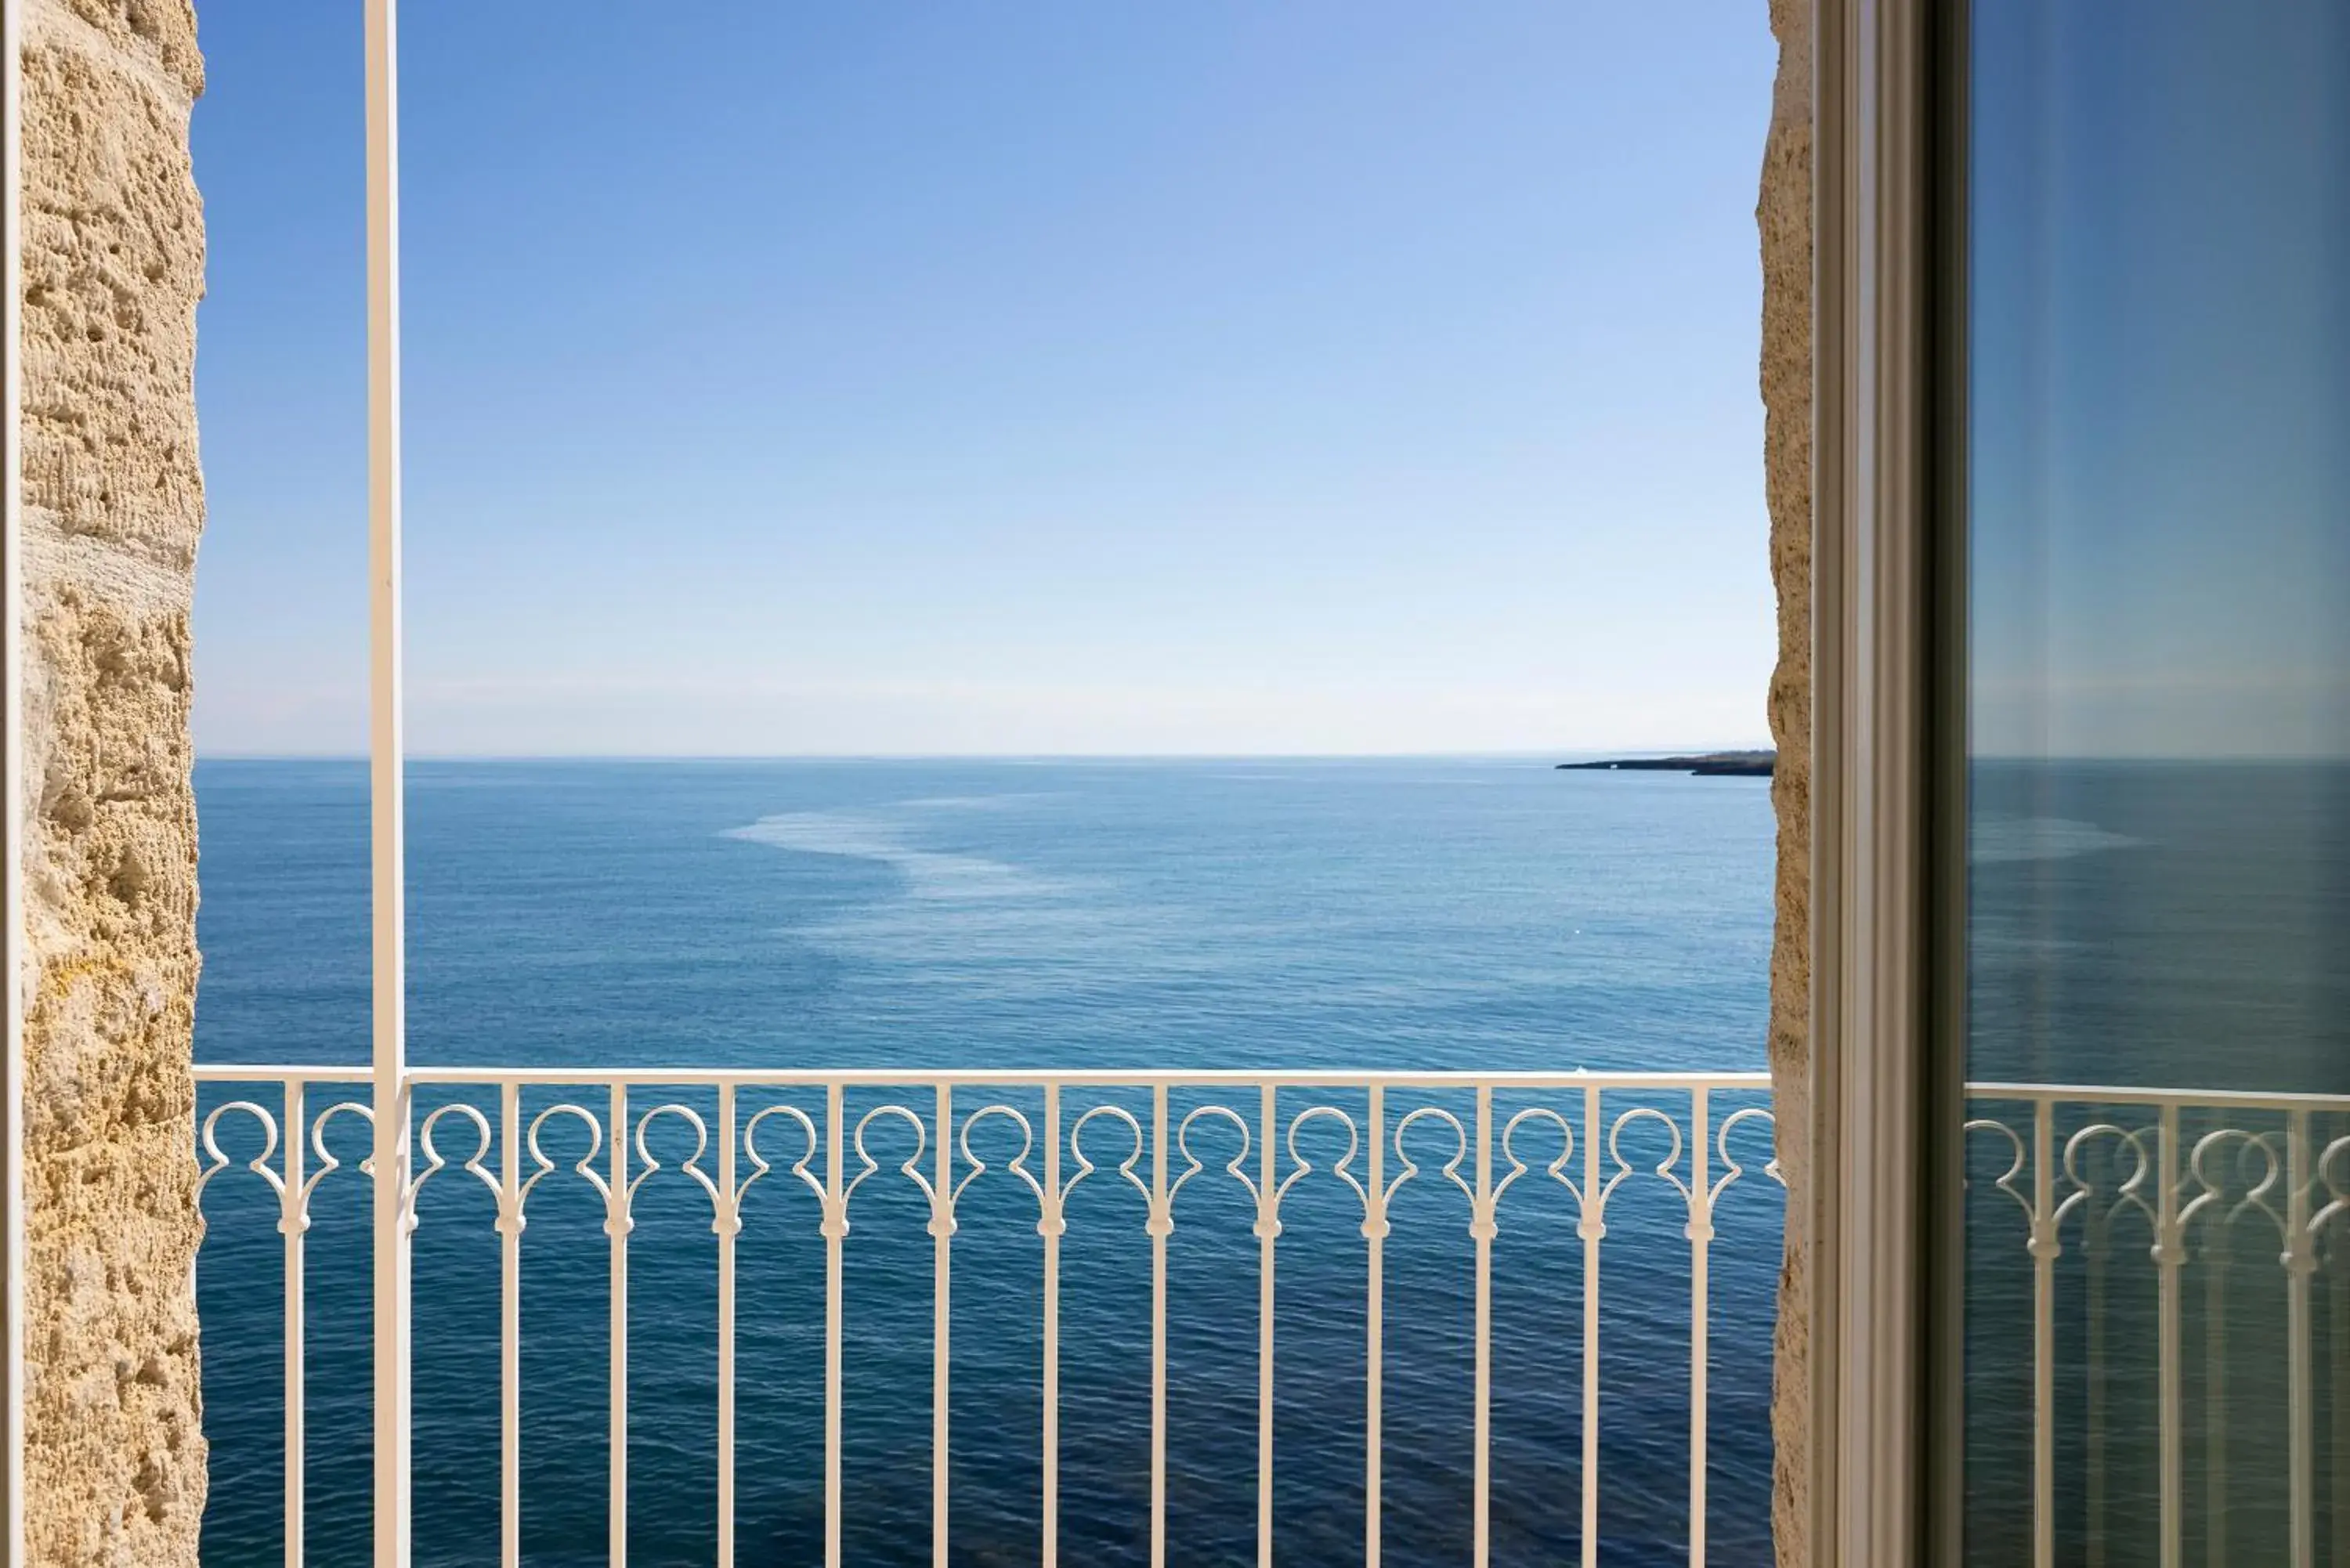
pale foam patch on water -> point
(2013, 838)
(971, 924)
(929, 874)
(1005, 801)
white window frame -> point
(1884, 595)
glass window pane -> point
(2158, 1301)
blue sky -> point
(1012, 378)
(2161, 364)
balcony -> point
(1354, 1280)
(1515, 1316)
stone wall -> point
(113, 265)
(1785, 217)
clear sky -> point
(1028, 377)
(2161, 365)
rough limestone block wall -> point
(1784, 218)
(113, 265)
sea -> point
(2159, 924)
(1424, 914)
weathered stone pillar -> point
(1784, 218)
(113, 265)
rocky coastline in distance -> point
(1704, 766)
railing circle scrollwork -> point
(2130, 1192)
(1086, 1166)
(1341, 1168)
(328, 1163)
(1016, 1165)
(2253, 1151)
(761, 1165)
(2259, 1196)
(1732, 1168)
(1555, 1169)
(2336, 1184)
(585, 1164)
(1626, 1168)
(435, 1162)
(2008, 1180)
(1192, 1165)
(690, 1165)
(1451, 1168)
(259, 1164)
(912, 1166)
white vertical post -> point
(616, 1226)
(729, 1225)
(1161, 1222)
(2337, 1322)
(2095, 1231)
(1375, 1233)
(2169, 1254)
(836, 1232)
(510, 1327)
(2215, 1391)
(293, 1220)
(1591, 1229)
(2299, 1262)
(2044, 1249)
(942, 1229)
(1049, 1226)
(1268, 1226)
(1480, 1229)
(1701, 1234)
(385, 741)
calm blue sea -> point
(1421, 914)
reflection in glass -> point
(2159, 851)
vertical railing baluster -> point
(729, 1225)
(1049, 1226)
(2095, 1230)
(1481, 1229)
(510, 1224)
(1374, 1234)
(2169, 1254)
(292, 1220)
(2298, 1262)
(1701, 1236)
(2045, 1248)
(2215, 1392)
(1162, 1221)
(942, 1229)
(835, 1231)
(616, 1226)
(2338, 1383)
(1268, 1226)
(1591, 1228)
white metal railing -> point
(2196, 1173)
(1474, 1132)
(2184, 1171)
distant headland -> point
(1706, 766)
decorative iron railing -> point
(2092, 1211)
(2161, 1277)
(1490, 1139)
